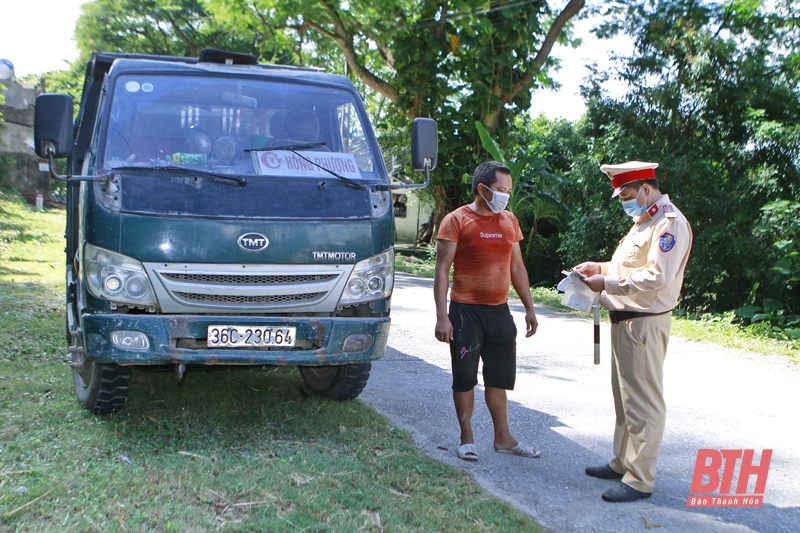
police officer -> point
(640, 287)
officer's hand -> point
(444, 329)
(596, 282)
(531, 322)
(588, 268)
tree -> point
(713, 97)
(169, 27)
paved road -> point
(716, 398)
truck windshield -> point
(220, 125)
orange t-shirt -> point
(482, 265)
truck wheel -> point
(341, 382)
(100, 388)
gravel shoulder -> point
(562, 403)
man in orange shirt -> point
(481, 241)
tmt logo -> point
(708, 464)
(252, 242)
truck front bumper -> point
(177, 339)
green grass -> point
(411, 265)
(719, 329)
(228, 450)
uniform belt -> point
(619, 316)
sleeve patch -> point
(667, 242)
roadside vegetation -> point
(226, 450)
(723, 329)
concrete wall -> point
(16, 141)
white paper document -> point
(577, 295)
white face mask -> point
(499, 201)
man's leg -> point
(464, 358)
(621, 437)
(615, 468)
(641, 362)
(465, 403)
(499, 371)
(497, 402)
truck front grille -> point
(237, 288)
(227, 298)
(239, 279)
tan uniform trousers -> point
(638, 349)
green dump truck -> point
(222, 212)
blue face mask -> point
(632, 206)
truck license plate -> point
(249, 336)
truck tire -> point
(341, 382)
(100, 388)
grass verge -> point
(718, 329)
(227, 450)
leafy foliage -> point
(5, 164)
(780, 225)
(164, 27)
(713, 97)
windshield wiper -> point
(238, 179)
(290, 148)
(294, 147)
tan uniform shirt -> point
(646, 272)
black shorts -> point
(483, 331)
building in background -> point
(16, 136)
(411, 213)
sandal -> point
(467, 452)
(521, 450)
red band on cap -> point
(634, 175)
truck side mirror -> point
(424, 151)
(52, 125)
(424, 144)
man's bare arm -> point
(519, 279)
(445, 255)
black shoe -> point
(603, 472)
(624, 493)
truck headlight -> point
(372, 279)
(117, 278)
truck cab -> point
(222, 212)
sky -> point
(37, 34)
(37, 37)
(566, 102)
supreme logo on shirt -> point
(491, 235)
